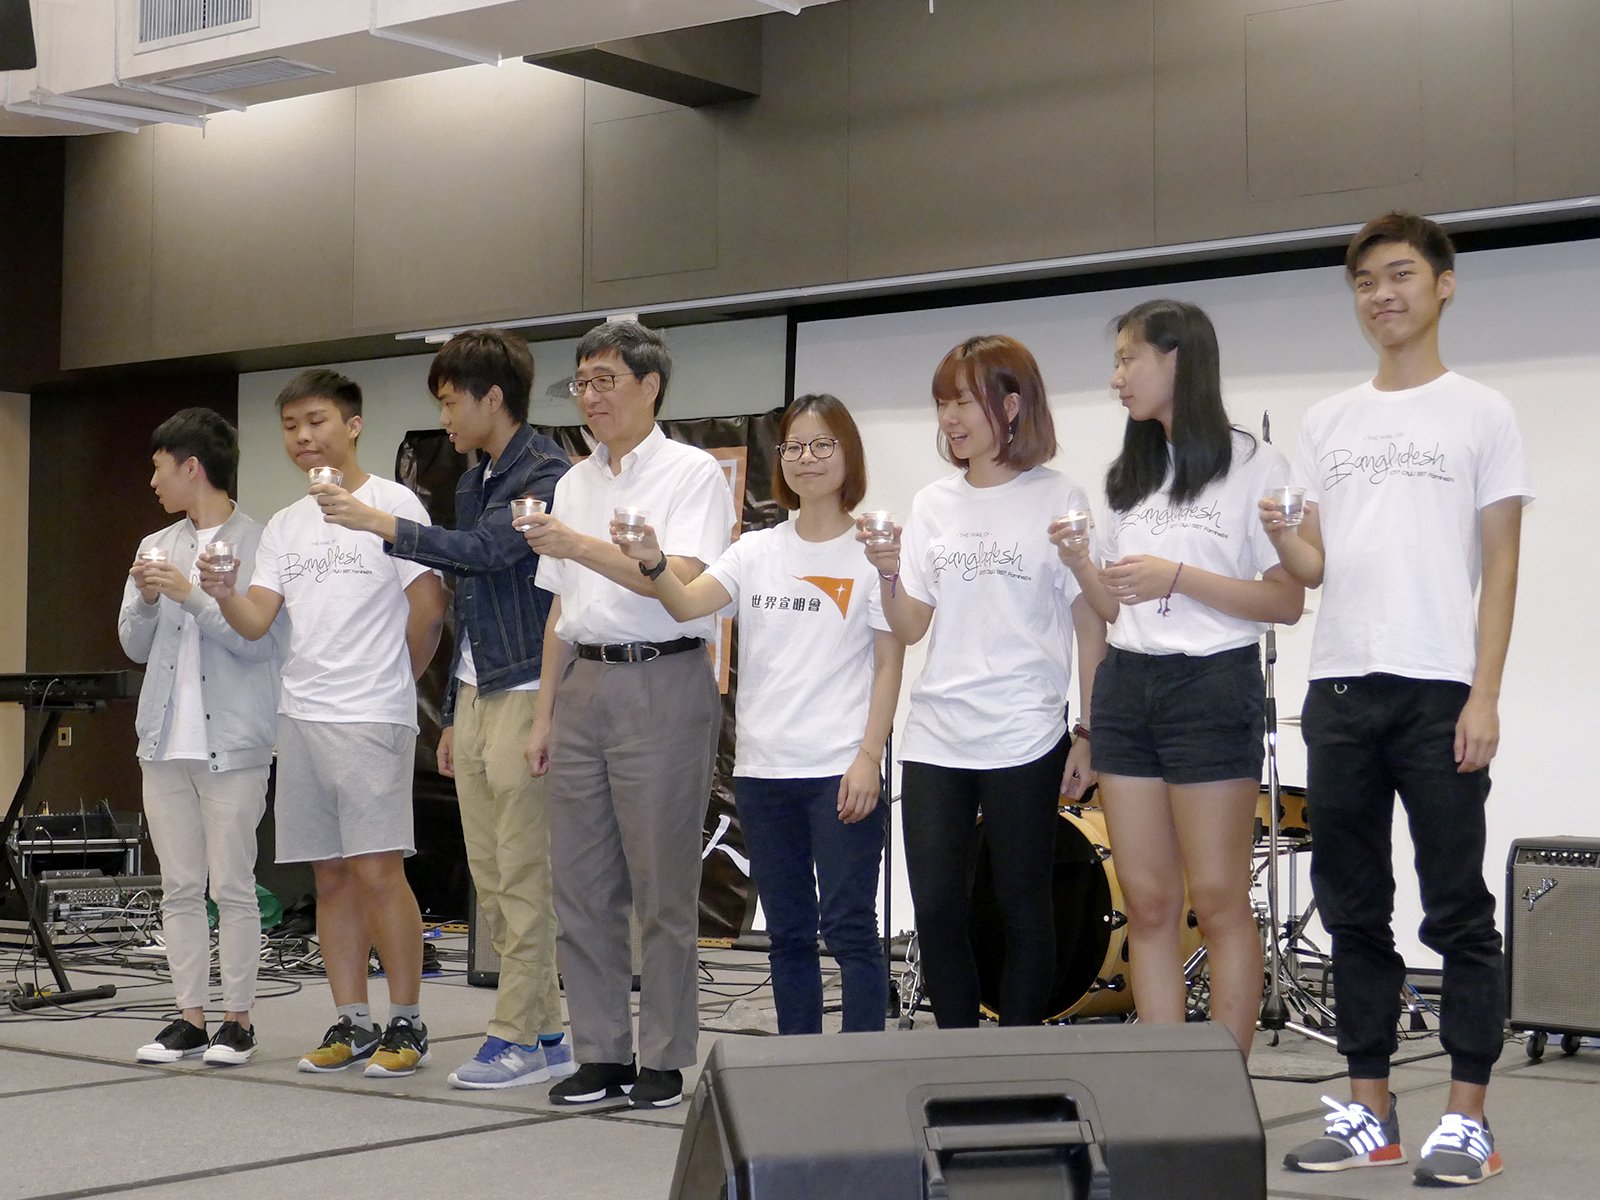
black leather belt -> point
(637, 652)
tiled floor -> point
(80, 1119)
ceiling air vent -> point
(238, 76)
(172, 22)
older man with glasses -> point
(626, 725)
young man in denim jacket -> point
(482, 380)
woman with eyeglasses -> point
(819, 675)
(987, 730)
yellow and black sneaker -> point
(344, 1043)
(402, 1050)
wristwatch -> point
(654, 573)
(1080, 730)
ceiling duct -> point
(165, 23)
(237, 76)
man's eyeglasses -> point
(599, 383)
(821, 447)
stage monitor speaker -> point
(17, 51)
(483, 964)
(1135, 1112)
(1552, 912)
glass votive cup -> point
(1076, 525)
(630, 523)
(1292, 500)
(224, 557)
(524, 509)
(878, 525)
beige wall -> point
(13, 583)
(885, 141)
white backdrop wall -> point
(1523, 321)
(718, 370)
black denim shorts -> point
(1180, 718)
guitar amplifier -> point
(1552, 912)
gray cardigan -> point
(239, 678)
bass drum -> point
(1091, 935)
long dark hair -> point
(1202, 439)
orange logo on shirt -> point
(837, 590)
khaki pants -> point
(505, 820)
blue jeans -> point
(798, 849)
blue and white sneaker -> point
(501, 1064)
(1458, 1153)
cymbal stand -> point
(1284, 989)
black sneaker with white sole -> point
(231, 1046)
(178, 1040)
(593, 1082)
(657, 1089)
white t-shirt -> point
(993, 692)
(685, 496)
(1218, 531)
(1398, 479)
(347, 659)
(806, 613)
(185, 733)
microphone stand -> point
(1275, 1008)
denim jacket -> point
(238, 677)
(496, 602)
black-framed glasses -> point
(600, 383)
(821, 447)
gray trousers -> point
(630, 777)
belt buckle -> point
(605, 653)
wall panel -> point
(1434, 76)
(253, 220)
(109, 218)
(481, 216)
(781, 161)
(993, 133)
(1557, 45)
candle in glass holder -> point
(878, 525)
(524, 509)
(1292, 500)
(630, 523)
(153, 554)
(1076, 524)
(224, 557)
(326, 475)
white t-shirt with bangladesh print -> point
(993, 692)
(347, 658)
(1398, 479)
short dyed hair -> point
(480, 359)
(205, 436)
(1423, 235)
(830, 410)
(326, 385)
(643, 350)
(993, 366)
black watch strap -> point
(654, 573)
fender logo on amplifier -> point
(1532, 895)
